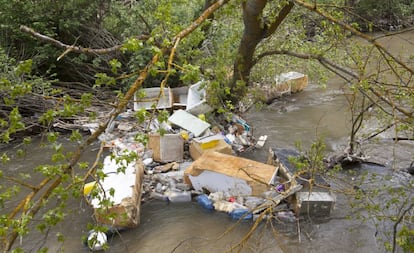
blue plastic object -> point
(237, 214)
(205, 202)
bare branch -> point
(320, 58)
(371, 40)
(72, 48)
(394, 239)
(20, 182)
(279, 19)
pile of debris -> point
(193, 159)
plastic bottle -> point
(237, 214)
(158, 196)
(96, 240)
(286, 216)
(175, 197)
(205, 202)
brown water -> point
(188, 228)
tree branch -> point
(320, 58)
(9, 238)
(279, 19)
(371, 40)
(394, 238)
(72, 48)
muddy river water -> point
(189, 228)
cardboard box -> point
(215, 172)
(166, 148)
(222, 147)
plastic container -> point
(205, 202)
(286, 216)
(158, 196)
(176, 197)
(238, 214)
(87, 188)
(96, 240)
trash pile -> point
(189, 157)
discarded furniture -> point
(180, 97)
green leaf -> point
(115, 65)
(24, 67)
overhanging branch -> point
(323, 60)
(72, 48)
(371, 40)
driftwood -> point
(345, 160)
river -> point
(315, 112)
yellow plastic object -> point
(185, 135)
(88, 188)
(202, 117)
(209, 144)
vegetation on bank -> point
(59, 58)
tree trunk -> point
(252, 35)
(256, 28)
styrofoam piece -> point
(313, 203)
(288, 76)
(96, 240)
(290, 82)
(217, 182)
(261, 142)
(122, 182)
(180, 96)
(176, 197)
(167, 147)
(165, 101)
(189, 122)
(196, 99)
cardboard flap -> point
(233, 166)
